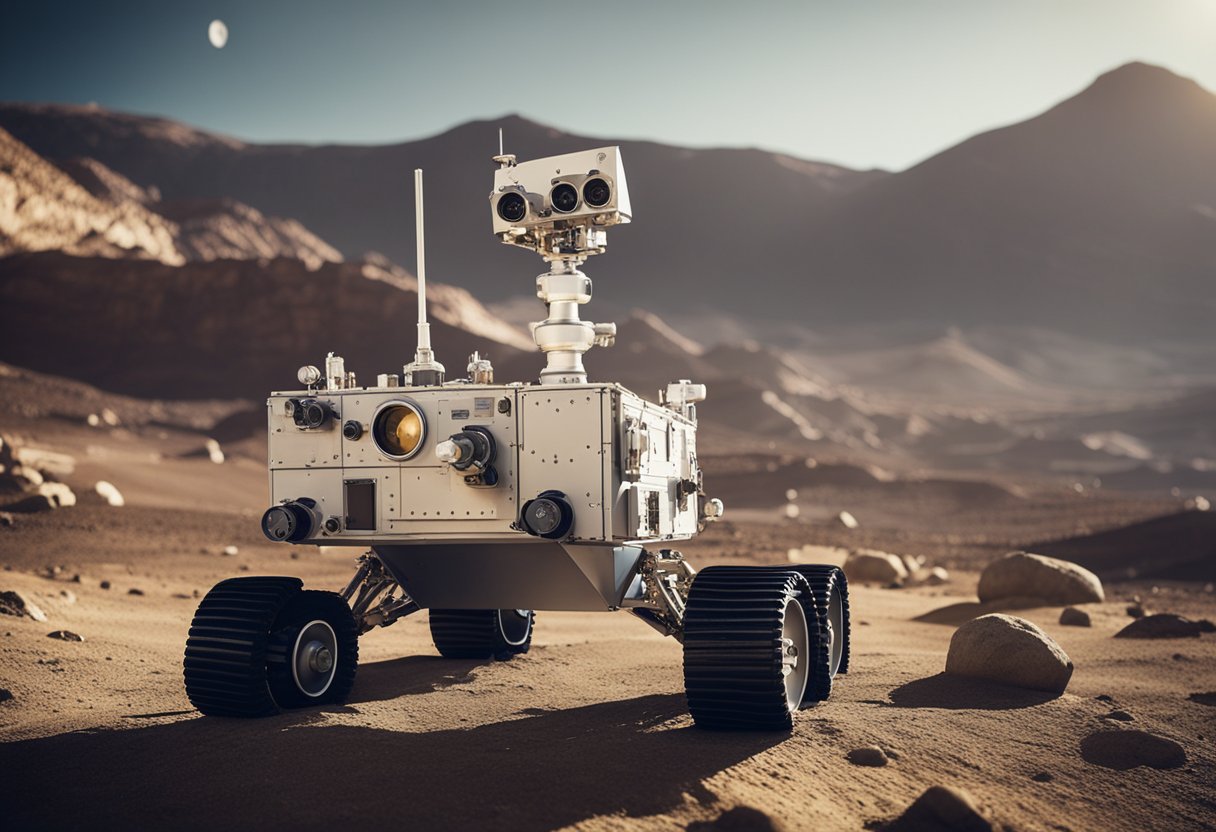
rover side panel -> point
(294, 448)
(657, 452)
(563, 448)
(529, 574)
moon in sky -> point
(217, 33)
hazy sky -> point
(865, 83)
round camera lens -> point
(512, 207)
(597, 193)
(564, 198)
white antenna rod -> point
(499, 141)
(424, 329)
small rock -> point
(1119, 716)
(1136, 610)
(5, 694)
(1002, 648)
(1073, 617)
(934, 577)
(872, 566)
(109, 417)
(1208, 698)
(214, 452)
(65, 635)
(1104, 697)
(1161, 625)
(105, 584)
(68, 596)
(1042, 777)
(135, 591)
(109, 493)
(944, 809)
(231, 551)
(1023, 575)
(1206, 626)
(847, 520)
(1126, 749)
(7, 520)
(16, 603)
(868, 755)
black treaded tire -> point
(826, 580)
(311, 605)
(235, 636)
(481, 634)
(225, 662)
(733, 626)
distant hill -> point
(1096, 218)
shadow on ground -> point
(963, 611)
(959, 693)
(301, 771)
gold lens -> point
(399, 430)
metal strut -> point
(371, 582)
(665, 581)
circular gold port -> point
(399, 429)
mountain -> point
(1098, 216)
(708, 211)
(225, 328)
(81, 206)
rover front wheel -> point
(830, 589)
(482, 634)
(748, 647)
(260, 645)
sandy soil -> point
(587, 731)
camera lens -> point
(512, 207)
(564, 198)
(597, 193)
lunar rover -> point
(482, 501)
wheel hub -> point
(314, 658)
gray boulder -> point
(1162, 625)
(873, 566)
(1023, 575)
(1010, 650)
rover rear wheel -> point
(831, 592)
(749, 647)
(260, 645)
(482, 634)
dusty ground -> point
(587, 731)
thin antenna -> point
(499, 141)
(424, 329)
(424, 370)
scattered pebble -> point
(1119, 716)
(214, 452)
(1104, 697)
(7, 519)
(1073, 617)
(1123, 750)
(109, 493)
(868, 755)
(231, 551)
(68, 596)
(65, 635)
(5, 694)
(135, 591)
(738, 819)
(105, 584)
(18, 604)
(847, 520)
(1208, 698)
(1042, 777)
(1136, 610)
